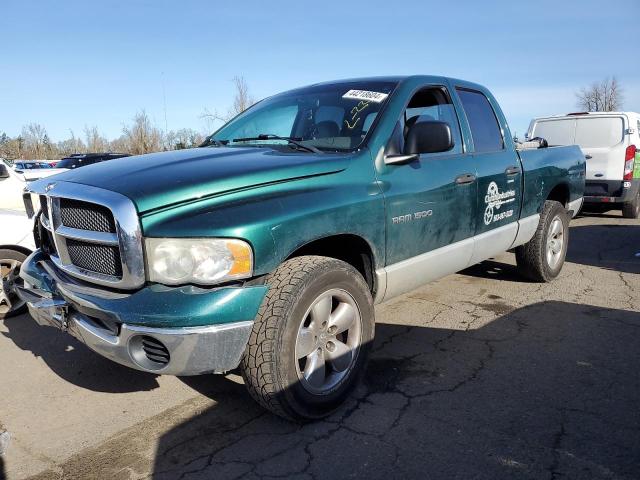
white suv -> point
(610, 142)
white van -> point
(610, 142)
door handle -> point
(588, 157)
(512, 171)
(465, 178)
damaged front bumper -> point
(176, 331)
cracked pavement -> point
(478, 375)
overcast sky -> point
(68, 64)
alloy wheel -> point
(328, 341)
(555, 242)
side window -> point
(557, 132)
(430, 104)
(603, 132)
(483, 123)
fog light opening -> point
(149, 352)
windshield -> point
(331, 117)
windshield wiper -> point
(291, 140)
(212, 142)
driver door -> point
(430, 202)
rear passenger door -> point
(499, 176)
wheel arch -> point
(560, 193)
(16, 248)
(352, 249)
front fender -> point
(277, 219)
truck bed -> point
(545, 169)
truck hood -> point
(168, 178)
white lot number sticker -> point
(366, 95)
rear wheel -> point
(10, 304)
(632, 209)
(311, 338)
(541, 259)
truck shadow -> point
(612, 247)
(600, 211)
(537, 392)
(492, 269)
(73, 361)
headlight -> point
(176, 261)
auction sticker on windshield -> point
(375, 97)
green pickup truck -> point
(266, 249)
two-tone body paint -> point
(279, 201)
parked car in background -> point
(31, 164)
(82, 159)
(12, 185)
(35, 169)
(610, 142)
(16, 239)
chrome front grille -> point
(91, 233)
(104, 259)
(86, 216)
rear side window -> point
(599, 132)
(556, 132)
(485, 129)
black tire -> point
(632, 209)
(269, 366)
(533, 262)
(8, 257)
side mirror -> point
(4, 171)
(428, 137)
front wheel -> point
(632, 209)
(542, 258)
(10, 262)
(311, 338)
